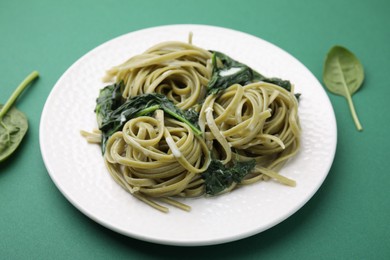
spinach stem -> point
(353, 112)
(147, 110)
(184, 120)
(17, 92)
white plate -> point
(78, 170)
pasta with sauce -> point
(182, 121)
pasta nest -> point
(158, 157)
(258, 121)
(181, 71)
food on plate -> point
(181, 121)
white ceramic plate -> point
(78, 170)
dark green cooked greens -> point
(219, 177)
(231, 72)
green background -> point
(346, 219)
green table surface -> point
(348, 218)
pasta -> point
(157, 157)
(178, 70)
(259, 121)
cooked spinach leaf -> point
(228, 71)
(110, 98)
(112, 114)
(219, 177)
(13, 123)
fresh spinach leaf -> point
(112, 117)
(13, 127)
(13, 123)
(219, 177)
(343, 75)
(230, 71)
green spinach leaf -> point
(13, 123)
(219, 177)
(13, 127)
(227, 71)
(343, 75)
(110, 98)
